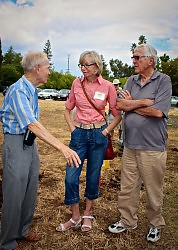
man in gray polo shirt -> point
(146, 104)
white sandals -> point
(75, 224)
(85, 225)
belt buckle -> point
(92, 126)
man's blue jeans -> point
(89, 144)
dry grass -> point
(50, 210)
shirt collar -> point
(30, 85)
(99, 79)
(154, 76)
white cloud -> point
(109, 27)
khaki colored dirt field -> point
(50, 210)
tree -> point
(142, 39)
(47, 50)
(10, 74)
(119, 69)
(105, 72)
(171, 69)
(11, 67)
(133, 46)
(1, 58)
(164, 58)
(11, 57)
(59, 81)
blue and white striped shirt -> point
(20, 107)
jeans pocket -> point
(75, 137)
(73, 132)
(99, 137)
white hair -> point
(149, 51)
(33, 58)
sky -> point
(73, 26)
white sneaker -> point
(119, 228)
(153, 234)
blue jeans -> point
(89, 144)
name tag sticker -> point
(99, 96)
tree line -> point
(11, 69)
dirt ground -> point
(50, 209)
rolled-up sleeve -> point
(163, 97)
(22, 110)
(112, 100)
(70, 103)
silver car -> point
(63, 94)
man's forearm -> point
(42, 133)
(129, 105)
(148, 111)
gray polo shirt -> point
(144, 132)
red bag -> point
(109, 153)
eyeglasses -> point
(138, 57)
(85, 65)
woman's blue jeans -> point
(89, 144)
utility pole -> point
(68, 67)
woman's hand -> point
(105, 132)
(72, 128)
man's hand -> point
(42, 133)
(126, 94)
(71, 156)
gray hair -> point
(95, 57)
(33, 58)
(149, 51)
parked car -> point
(4, 91)
(39, 90)
(47, 94)
(174, 101)
(62, 94)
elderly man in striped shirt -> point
(19, 116)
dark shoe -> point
(18, 248)
(32, 237)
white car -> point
(174, 101)
(48, 94)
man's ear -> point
(37, 68)
(151, 61)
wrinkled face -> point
(88, 67)
(42, 73)
(142, 62)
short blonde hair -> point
(95, 57)
(33, 58)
